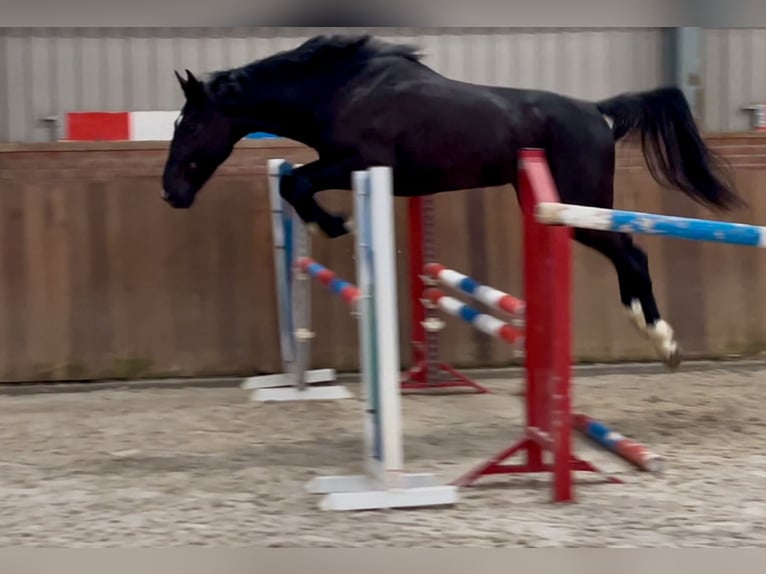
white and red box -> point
(119, 126)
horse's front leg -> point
(298, 186)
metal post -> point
(685, 63)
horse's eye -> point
(193, 166)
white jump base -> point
(361, 492)
(281, 387)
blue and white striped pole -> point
(650, 224)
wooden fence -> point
(100, 279)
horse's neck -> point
(286, 111)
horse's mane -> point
(312, 54)
(326, 49)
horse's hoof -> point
(673, 361)
(334, 226)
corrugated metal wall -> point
(735, 76)
(54, 70)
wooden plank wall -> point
(100, 279)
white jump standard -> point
(291, 241)
(384, 484)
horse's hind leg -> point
(582, 161)
(632, 266)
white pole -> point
(384, 485)
(366, 327)
(386, 305)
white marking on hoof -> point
(661, 335)
(312, 228)
(350, 225)
(636, 314)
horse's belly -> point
(459, 160)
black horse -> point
(358, 101)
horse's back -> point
(437, 132)
(444, 134)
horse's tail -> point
(674, 151)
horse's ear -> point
(181, 81)
(192, 87)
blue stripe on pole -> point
(601, 434)
(289, 255)
(468, 285)
(287, 230)
(468, 314)
(261, 136)
(338, 285)
(686, 228)
(314, 269)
